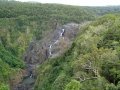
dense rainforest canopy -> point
(92, 63)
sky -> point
(79, 2)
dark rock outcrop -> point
(38, 51)
(52, 45)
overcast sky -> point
(80, 2)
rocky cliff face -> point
(52, 45)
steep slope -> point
(53, 44)
(49, 47)
(24, 23)
(92, 62)
(20, 23)
(9, 64)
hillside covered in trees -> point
(92, 60)
(92, 63)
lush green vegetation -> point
(92, 63)
(20, 23)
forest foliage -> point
(22, 23)
(92, 63)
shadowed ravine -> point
(29, 79)
(38, 52)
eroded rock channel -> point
(50, 46)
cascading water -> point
(50, 47)
(31, 76)
(35, 52)
(56, 42)
(61, 34)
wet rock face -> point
(35, 53)
(71, 30)
(63, 39)
(52, 45)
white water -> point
(61, 34)
(31, 76)
(56, 41)
(50, 47)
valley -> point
(59, 47)
(62, 35)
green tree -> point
(73, 85)
(4, 87)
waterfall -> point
(50, 47)
(56, 42)
(31, 76)
(61, 34)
